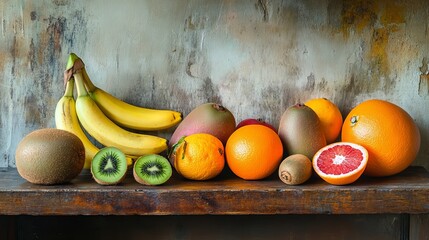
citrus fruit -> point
(340, 163)
(199, 156)
(329, 115)
(253, 152)
(388, 133)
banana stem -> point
(74, 64)
(69, 88)
(81, 90)
(88, 83)
(72, 59)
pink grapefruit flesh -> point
(340, 163)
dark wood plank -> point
(208, 227)
(407, 192)
(419, 227)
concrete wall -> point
(256, 57)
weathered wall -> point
(255, 57)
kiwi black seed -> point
(152, 169)
(109, 166)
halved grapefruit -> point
(340, 163)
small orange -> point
(387, 131)
(198, 156)
(329, 115)
(253, 152)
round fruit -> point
(253, 152)
(109, 166)
(250, 121)
(388, 133)
(329, 115)
(152, 169)
(198, 156)
(50, 156)
(340, 163)
(295, 169)
(211, 118)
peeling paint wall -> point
(255, 57)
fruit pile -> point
(112, 123)
(377, 138)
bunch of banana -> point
(66, 119)
(102, 116)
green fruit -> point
(50, 156)
(152, 169)
(295, 169)
(208, 118)
(301, 131)
(109, 166)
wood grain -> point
(407, 192)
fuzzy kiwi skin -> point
(100, 181)
(50, 156)
(296, 169)
(139, 179)
(209, 118)
(301, 131)
(143, 181)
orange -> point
(340, 163)
(253, 152)
(388, 132)
(329, 115)
(198, 156)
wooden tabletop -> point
(407, 192)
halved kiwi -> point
(152, 169)
(109, 166)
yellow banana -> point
(66, 119)
(131, 116)
(102, 129)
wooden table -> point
(405, 194)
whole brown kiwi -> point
(50, 156)
(295, 169)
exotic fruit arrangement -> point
(376, 139)
(114, 124)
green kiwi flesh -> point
(152, 169)
(109, 166)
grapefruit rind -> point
(341, 179)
